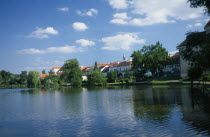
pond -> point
(114, 111)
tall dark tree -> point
(23, 78)
(6, 76)
(43, 71)
(95, 66)
(201, 3)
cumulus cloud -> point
(194, 25)
(65, 9)
(149, 12)
(85, 43)
(64, 49)
(118, 4)
(90, 12)
(43, 33)
(120, 18)
(79, 26)
(121, 41)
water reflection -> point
(114, 111)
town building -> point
(184, 65)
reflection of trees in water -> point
(154, 103)
(196, 109)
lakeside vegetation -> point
(151, 58)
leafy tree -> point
(0, 78)
(150, 58)
(72, 73)
(23, 78)
(43, 71)
(6, 76)
(197, 50)
(51, 72)
(201, 3)
(33, 79)
(138, 65)
(96, 78)
(51, 80)
(111, 76)
(194, 73)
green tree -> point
(0, 78)
(43, 71)
(33, 79)
(111, 76)
(6, 76)
(72, 73)
(201, 3)
(150, 58)
(138, 65)
(23, 78)
(96, 78)
(95, 66)
(197, 50)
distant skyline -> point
(37, 35)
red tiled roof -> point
(43, 75)
(56, 68)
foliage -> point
(111, 76)
(96, 78)
(51, 80)
(43, 71)
(6, 76)
(95, 67)
(72, 73)
(197, 50)
(201, 3)
(23, 78)
(33, 79)
(0, 79)
(150, 58)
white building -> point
(184, 65)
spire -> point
(124, 57)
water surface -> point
(131, 111)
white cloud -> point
(65, 9)
(194, 25)
(118, 4)
(121, 41)
(122, 15)
(43, 33)
(85, 43)
(79, 26)
(149, 12)
(91, 12)
(64, 49)
(119, 21)
(198, 24)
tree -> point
(96, 78)
(150, 58)
(194, 73)
(23, 78)
(72, 73)
(0, 78)
(6, 76)
(95, 66)
(111, 76)
(43, 71)
(138, 65)
(33, 79)
(51, 73)
(201, 3)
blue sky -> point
(40, 34)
